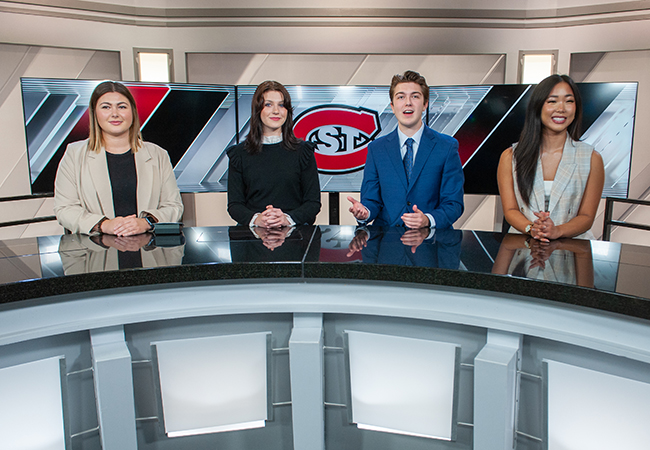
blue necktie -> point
(408, 159)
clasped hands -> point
(273, 227)
(416, 219)
(125, 226)
(544, 228)
(126, 243)
(271, 218)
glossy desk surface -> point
(606, 276)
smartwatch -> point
(151, 223)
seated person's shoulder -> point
(444, 138)
(378, 141)
(235, 150)
(506, 156)
(154, 148)
(78, 146)
(307, 146)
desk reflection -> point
(274, 245)
(100, 253)
(568, 261)
(405, 247)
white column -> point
(496, 391)
(113, 379)
(306, 366)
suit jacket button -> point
(408, 203)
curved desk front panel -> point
(510, 310)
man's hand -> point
(413, 238)
(358, 242)
(416, 219)
(357, 209)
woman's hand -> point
(126, 243)
(125, 226)
(541, 251)
(273, 238)
(272, 218)
(544, 228)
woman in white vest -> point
(551, 183)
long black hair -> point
(527, 151)
(253, 141)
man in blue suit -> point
(413, 176)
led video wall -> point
(197, 123)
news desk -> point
(508, 308)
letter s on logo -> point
(341, 134)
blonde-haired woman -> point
(114, 182)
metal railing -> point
(609, 210)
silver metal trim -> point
(529, 436)
(147, 419)
(530, 375)
(282, 403)
(76, 372)
(81, 433)
(338, 405)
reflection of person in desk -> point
(413, 176)
(405, 247)
(113, 182)
(275, 244)
(567, 261)
(551, 183)
(100, 253)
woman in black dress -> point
(272, 175)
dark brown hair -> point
(253, 141)
(409, 77)
(528, 149)
(96, 136)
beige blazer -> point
(568, 186)
(83, 194)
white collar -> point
(416, 137)
(271, 139)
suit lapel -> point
(563, 174)
(395, 156)
(427, 143)
(99, 171)
(537, 202)
(144, 177)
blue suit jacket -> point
(436, 182)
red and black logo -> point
(341, 134)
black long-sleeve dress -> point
(286, 179)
